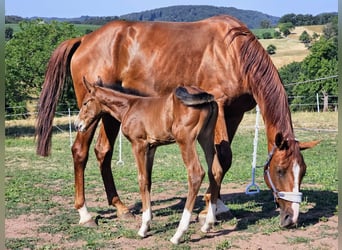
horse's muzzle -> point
(286, 220)
(289, 216)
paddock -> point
(39, 195)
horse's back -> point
(154, 57)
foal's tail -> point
(191, 96)
(55, 76)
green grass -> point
(44, 187)
(260, 32)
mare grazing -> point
(219, 54)
(148, 122)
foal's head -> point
(91, 109)
(283, 173)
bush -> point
(267, 35)
(271, 49)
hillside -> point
(187, 13)
(180, 13)
(290, 49)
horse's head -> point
(91, 110)
(283, 173)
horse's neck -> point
(116, 103)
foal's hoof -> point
(224, 216)
(202, 216)
(89, 223)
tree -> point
(290, 74)
(271, 49)
(267, 35)
(8, 33)
(265, 24)
(26, 57)
(321, 63)
(331, 29)
(286, 28)
(305, 38)
(277, 34)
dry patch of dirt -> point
(228, 234)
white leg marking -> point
(182, 227)
(145, 222)
(85, 216)
(295, 206)
(210, 219)
(221, 207)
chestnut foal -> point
(184, 116)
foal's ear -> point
(280, 142)
(306, 145)
(87, 84)
(99, 81)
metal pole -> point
(253, 188)
(317, 98)
(70, 136)
(120, 161)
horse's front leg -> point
(80, 152)
(195, 177)
(104, 151)
(144, 159)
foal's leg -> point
(195, 177)
(214, 179)
(224, 155)
(80, 152)
(104, 150)
(144, 159)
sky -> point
(77, 8)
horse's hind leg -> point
(80, 152)
(104, 150)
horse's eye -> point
(280, 172)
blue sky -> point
(73, 8)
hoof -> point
(202, 216)
(174, 241)
(126, 216)
(89, 223)
(206, 228)
(225, 216)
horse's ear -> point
(306, 145)
(280, 142)
(87, 84)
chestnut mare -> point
(149, 122)
(219, 54)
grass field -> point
(39, 195)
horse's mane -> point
(262, 77)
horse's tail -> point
(55, 76)
(196, 96)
